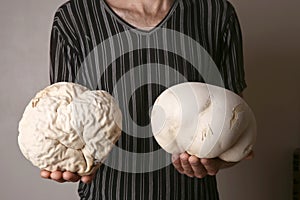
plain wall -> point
(271, 31)
(24, 40)
(272, 50)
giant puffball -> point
(68, 127)
(203, 120)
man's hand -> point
(62, 177)
(196, 167)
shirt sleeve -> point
(64, 60)
(232, 61)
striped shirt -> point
(91, 45)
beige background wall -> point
(272, 51)
(271, 32)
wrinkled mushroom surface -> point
(204, 120)
(67, 127)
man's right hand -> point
(62, 177)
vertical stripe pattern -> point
(81, 25)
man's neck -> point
(147, 7)
(143, 14)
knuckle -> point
(184, 157)
(175, 157)
(195, 163)
(176, 162)
(185, 162)
(176, 165)
(194, 160)
(188, 169)
(206, 161)
(189, 172)
(185, 165)
(201, 175)
(189, 175)
(178, 168)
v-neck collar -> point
(136, 29)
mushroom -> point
(67, 127)
(203, 120)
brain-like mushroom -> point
(68, 127)
(204, 120)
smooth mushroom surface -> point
(203, 120)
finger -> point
(250, 156)
(212, 166)
(198, 168)
(69, 176)
(177, 164)
(45, 174)
(57, 176)
(184, 159)
(87, 179)
(175, 157)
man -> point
(80, 26)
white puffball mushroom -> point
(68, 127)
(203, 120)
